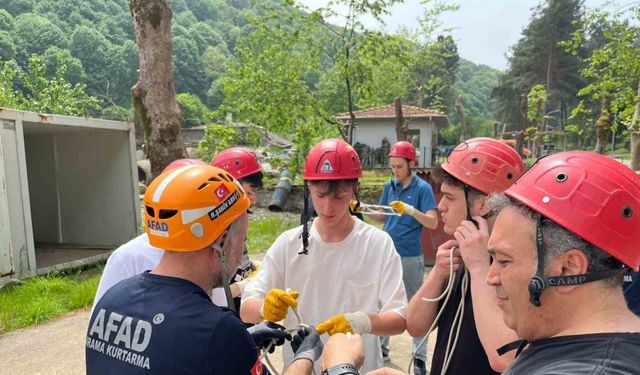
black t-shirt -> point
(601, 354)
(469, 356)
(151, 324)
(632, 291)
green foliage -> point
(612, 70)
(474, 83)
(193, 111)
(536, 99)
(43, 93)
(9, 98)
(35, 34)
(217, 137)
(40, 299)
(537, 58)
(264, 231)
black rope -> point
(305, 221)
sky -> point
(483, 29)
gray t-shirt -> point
(600, 353)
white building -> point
(375, 132)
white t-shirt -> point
(363, 272)
(133, 258)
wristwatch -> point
(343, 369)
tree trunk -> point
(154, 95)
(401, 130)
(634, 132)
(603, 126)
(463, 128)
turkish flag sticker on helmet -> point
(222, 192)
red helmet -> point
(239, 161)
(591, 195)
(485, 164)
(332, 159)
(403, 149)
(181, 163)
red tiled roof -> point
(389, 111)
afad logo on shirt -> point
(326, 167)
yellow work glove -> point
(402, 208)
(255, 265)
(357, 322)
(276, 304)
(357, 206)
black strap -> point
(305, 221)
(504, 349)
(581, 279)
(539, 283)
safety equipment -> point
(356, 206)
(307, 344)
(239, 161)
(403, 149)
(268, 335)
(276, 304)
(332, 159)
(402, 208)
(357, 322)
(484, 164)
(590, 195)
(188, 208)
(181, 163)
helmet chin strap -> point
(539, 283)
(225, 279)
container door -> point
(6, 266)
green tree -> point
(35, 34)
(43, 93)
(216, 137)
(16, 7)
(92, 49)
(537, 58)
(7, 47)
(55, 56)
(7, 20)
(9, 97)
(54, 94)
(193, 111)
(613, 73)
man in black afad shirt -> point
(474, 169)
(565, 234)
(163, 321)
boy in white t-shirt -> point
(347, 272)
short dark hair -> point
(254, 180)
(557, 240)
(334, 185)
(440, 174)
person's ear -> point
(571, 262)
(481, 206)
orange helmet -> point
(239, 161)
(485, 164)
(188, 208)
(182, 162)
(332, 159)
(591, 195)
(403, 149)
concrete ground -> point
(57, 347)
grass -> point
(39, 299)
(263, 232)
